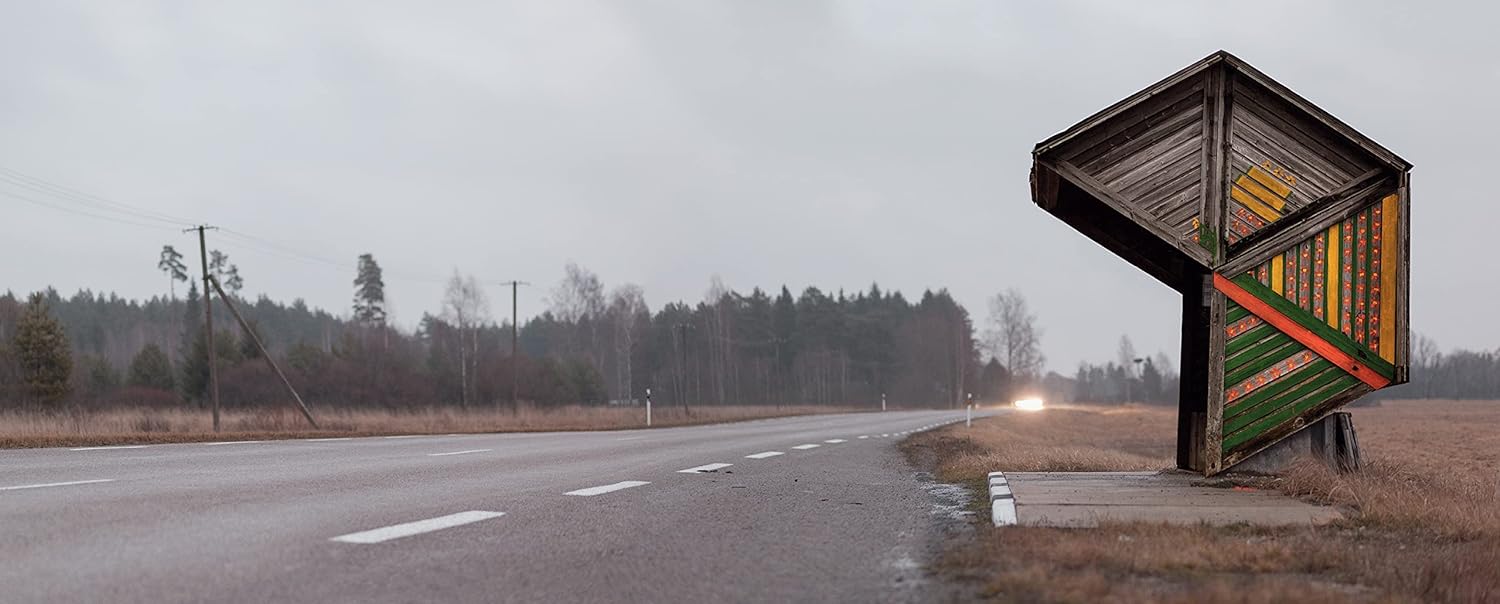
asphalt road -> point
(552, 517)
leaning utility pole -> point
(515, 338)
(264, 354)
(208, 320)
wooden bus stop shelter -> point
(1285, 230)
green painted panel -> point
(1263, 362)
(1248, 339)
(1314, 399)
(1319, 328)
(1277, 387)
(1301, 388)
(1234, 312)
(1262, 356)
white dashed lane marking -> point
(834, 441)
(712, 467)
(609, 488)
(864, 436)
(397, 531)
(55, 484)
(459, 452)
(763, 455)
(109, 448)
(806, 447)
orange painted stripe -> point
(1299, 333)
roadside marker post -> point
(882, 401)
(648, 407)
(969, 412)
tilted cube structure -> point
(1285, 230)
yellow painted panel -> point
(1278, 274)
(1254, 204)
(1335, 257)
(1260, 192)
(1389, 265)
(1270, 182)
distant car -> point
(1029, 404)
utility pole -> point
(208, 319)
(1130, 375)
(515, 339)
(682, 329)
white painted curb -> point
(1002, 502)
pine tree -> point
(42, 347)
(151, 369)
(171, 264)
(228, 275)
(369, 293)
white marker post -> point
(882, 401)
(648, 407)
(969, 412)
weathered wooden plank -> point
(1218, 105)
(1323, 117)
(1126, 104)
(1317, 143)
(1093, 188)
(1174, 120)
(1213, 435)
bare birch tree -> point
(1013, 336)
(628, 313)
(466, 307)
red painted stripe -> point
(1299, 333)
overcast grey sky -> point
(808, 143)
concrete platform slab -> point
(1085, 499)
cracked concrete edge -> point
(1002, 501)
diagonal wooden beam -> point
(1291, 327)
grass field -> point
(1424, 514)
(135, 426)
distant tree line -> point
(1458, 375)
(1128, 379)
(591, 346)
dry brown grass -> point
(1425, 526)
(1068, 439)
(135, 426)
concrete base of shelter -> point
(1085, 499)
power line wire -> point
(88, 199)
(83, 212)
(73, 201)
